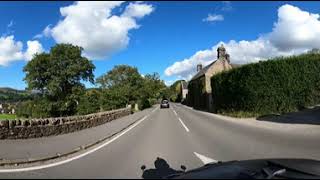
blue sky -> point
(162, 37)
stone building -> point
(6, 108)
(199, 94)
(1, 109)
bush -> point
(89, 102)
(112, 99)
(144, 103)
(279, 85)
(33, 108)
(153, 101)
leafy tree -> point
(58, 75)
(153, 86)
(124, 85)
(176, 92)
(112, 99)
(122, 80)
(89, 102)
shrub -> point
(33, 108)
(89, 102)
(279, 85)
(143, 103)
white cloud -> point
(45, 33)
(10, 50)
(33, 48)
(10, 24)
(213, 17)
(185, 69)
(295, 31)
(296, 28)
(137, 10)
(9, 31)
(169, 82)
(92, 26)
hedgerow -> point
(279, 85)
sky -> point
(170, 38)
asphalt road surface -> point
(181, 136)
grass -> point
(7, 116)
(240, 114)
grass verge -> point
(7, 116)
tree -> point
(89, 102)
(153, 86)
(58, 75)
(122, 80)
(176, 91)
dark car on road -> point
(164, 104)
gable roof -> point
(202, 71)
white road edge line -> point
(204, 159)
(185, 127)
(76, 157)
(188, 107)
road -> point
(181, 136)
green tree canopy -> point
(58, 75)
(153, 86)
(124, 80)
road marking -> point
(175, 112)
(204, 159)
(75, 157)
(183, 125)
(154, 110)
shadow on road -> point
(162, 170)
(306, 116)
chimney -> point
(199, 67)
(221, 52)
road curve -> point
(181, 136)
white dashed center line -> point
(185, 127)
(175, 112)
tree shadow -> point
(306, 116)
(162, 170)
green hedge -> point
(279, 85)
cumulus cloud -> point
(213, 17)
(11, 50)
(296, 28)
(92, 26)
(186, 68)
(137, 10)
(34, 47)
(295, 32)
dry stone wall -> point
(35, 128)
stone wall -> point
(34, 128)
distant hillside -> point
(13, 95)
(10, 90)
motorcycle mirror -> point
(143, 167)
(183, 167)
